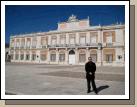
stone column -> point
(14, 55)
(99, 37)
(87, 54)
(38, 42)
(67, 38)
(25, 44)
(24, 56)
(88, 37)
(19, 56)
(30, 56)
(57, 56)
(38, 54)
(99, 56)
(58, 39)
(77, 55)
(49, 39)
(66, 56)
(77, 38)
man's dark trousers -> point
(91, 78)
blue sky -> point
(27, 19)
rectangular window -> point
(82, 57)
(11, 56)
(53, 41)
(62, 40)
(27, 56)
(61, 57)
(33, 57)
(94, 57)
(82, 40)
(17, 56)
(34, 42)
(53, 57)
(109, 58)
(72, 40)
(43, 57)
(43, 40)
(21, 56)
(93, 39)
(109, 39)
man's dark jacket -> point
(90, 67)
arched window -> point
(27, 55)
(43, 55)
(82, 56)
(61, 56)
(71, 52)
(53, 56)
(21, 55)
(33, 55)
(93, 54)
(16, 55)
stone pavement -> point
(35, 79)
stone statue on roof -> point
(72, 18)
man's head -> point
(90, 58)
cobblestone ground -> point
(35, 79)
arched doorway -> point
(71, 57)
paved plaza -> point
(44, 79)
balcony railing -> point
(113, 44)
(33, 47)
(73, 45)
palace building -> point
(72, 43)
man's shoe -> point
(96, 92)
(88, 91)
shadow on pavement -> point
(102, 88)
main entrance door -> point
(71, 57)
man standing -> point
(90, 68)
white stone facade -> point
(72, 43)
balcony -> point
(72, 45)
(21, 47)
(27, 47)
(113, 44)
(17, 47)
(33, 47)
(44, 47)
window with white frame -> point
(82, 57)
(34, 41)
(16, 56)
(93, 37)
(109, 58)
(72, 39)
(82, 39)
(54, 40)
(33, 57)
(27, 56)
(94, 57)
(62, 39)
(17, 43)
(22, 42)
(28, 42)
(52, 57)
(109, 39)
(43, 41)
(61, 57)
(21, 56)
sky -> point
(21, 19)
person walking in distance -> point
(90, 68)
